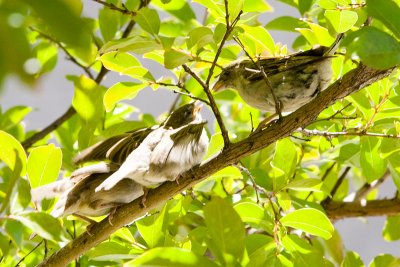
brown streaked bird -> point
(156, 155)
(295, 79)
(77, 194)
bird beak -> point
(197, 107)
(218, 86)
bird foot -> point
(111, 216)
(268, 122)
(144, 197)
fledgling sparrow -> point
(155, 155)
(77, 194)
(295, 79)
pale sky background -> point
(52, 94)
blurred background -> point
(51, 96)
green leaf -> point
(310, 184)
(373, 165)
(46, 53)
(126, 64)
(121, 91)
(284, 162)
(44, 163)
(285, 23)
(118, 62)
(201, 37)
(88, 99)
(257, 40)
(215, 146)
(385, 260)
(148, 20)
(386, 11)
(216, 9)
(341, 20)
(381, 55)
(170, 257)
(253, 214)
(12, 153)
(108, 23)
(109, 251)
(63, 20)
(391, 228)
(234, 7)
(309, 220)
(305, 5)
(256, 6)
(174, 58)
(135, 44)
(226, 231)
(150, 225)
(13, 117)
(43, 224)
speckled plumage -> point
(295, 79)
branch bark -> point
(353, 81)
(383, 207)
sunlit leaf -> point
(170, 257)
(149, 20)
(121, 91)
(342, 20)
(12, 153)
(43, 224)
(226, 231)
(309, 220)
(44, 163)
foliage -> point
(220, 222)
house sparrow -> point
(152, 156)
(77, 195)
(294, 79)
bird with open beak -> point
(166, 152)
(128, 163)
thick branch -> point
(384, 207)
(353, 81)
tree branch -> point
(384, 207)
(61, 46)
(111, 6)
(71, 111)
(353, 81)
(336, 134)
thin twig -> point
(206, 84)
(334, 116)
(212, 104)
(336, 187)
(23, 258)
(323, 177)
(71, 111)
(336, 134)
(368, 187)
(111, 6)
(260, 68)
(186, 93)
(256, 187)
(61, 46)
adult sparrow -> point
(154, 155)
(77, 195)
(295, 79)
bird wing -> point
(137, 163)
(274, 66)
(115, 148)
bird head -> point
(186, 114)
(227, 77)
